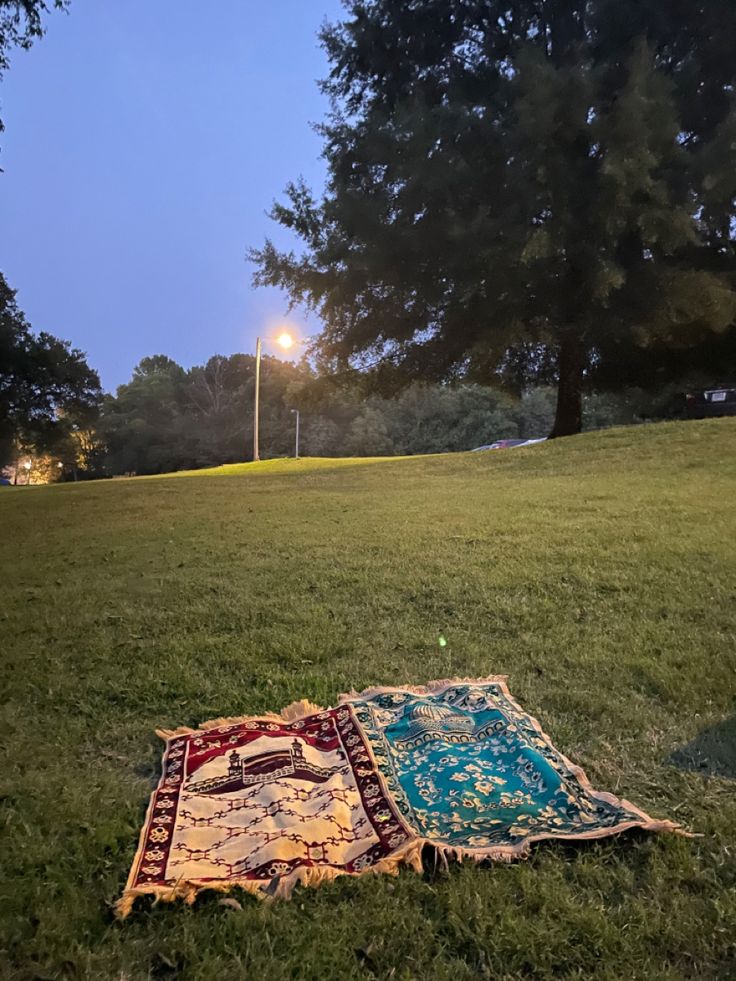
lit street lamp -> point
(284, 340)
(28, 466)
(296, 448)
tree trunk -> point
(570, 365)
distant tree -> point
(320, 436)
(536, 412)
(47, 389)
(369, 434)
(604, 409)
(528, 183)
(166, 418)
(143, 425)
(21, 23)
(441, 418)
(81, 455)
(426, 418)
(220, 396)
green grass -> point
(598, 572)
(277, 467)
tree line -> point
(167, 417)
(522, 197)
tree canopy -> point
(167, 418)
(21, 23)
(551, 179)
(47, 389)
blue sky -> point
(144, 143)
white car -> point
(504, 444)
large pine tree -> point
(555, 175)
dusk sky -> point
(144, 143)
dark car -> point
(718, 401)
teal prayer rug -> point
(471, 772)
(265, 802)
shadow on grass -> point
(712, 752)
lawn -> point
(598, 572)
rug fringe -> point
(432, 688)
(302, 708)
(290, 713)
(410, 856)
(279, 888)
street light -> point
(296, 448)
(286, 341)
(28, 466)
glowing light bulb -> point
(285, 340)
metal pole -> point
(295, 412)
(256, 456)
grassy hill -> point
(598, 572)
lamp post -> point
(296, 447)
(285, 340)
(256, 457)
(28, 466)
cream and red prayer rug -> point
(266, 802)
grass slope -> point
(598, 572)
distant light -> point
(59, 464)
(27, 464)
(285, 340)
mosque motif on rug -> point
(266, 802)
